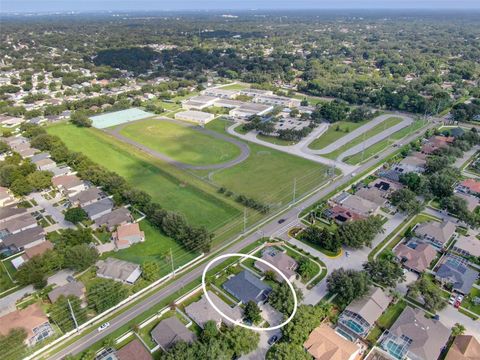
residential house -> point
(118, 270)
(435, 143)
(436, 233)
(454, 270)
(464, 347)
(45, 164)
(74, 288)
(413, 336)
(390, 174)
(410, 164)
(247, 287)
(386, 186)
(86, 197)
(457, 132)
(99, 208)
(357, 204)
(6, 198)
(27, 152)
(469, 186)
(170, 331)
(127, 235)
(10, 212)
(116, 218)
(69, 184)
(18, 224)
(283, 262)
(324, 343)
(30, 252)
(39, 156)
(472, 201)
(24, 239)
(373, 195)
(415, 257)
(134, 350)
(341, 215)
(467, 246)
(359, 317)
(32, 319)
(202, 311)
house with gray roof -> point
(436, 233)
(170, 331)
(119, 270)
(202, 311)
(11, 212)
(74, 288)
(39, 156)
(97, 209)
(413, 336)
(115, 218)
(455, 271)
(359, 317)
(86, 197)
(20, 223)
(24, 239)
(245, 287)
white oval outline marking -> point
(254, 328)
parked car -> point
(281, 221)
(103, 326)
(451, 301)
(272, 340)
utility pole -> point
(294, 188)
(171, 261)
(73, 314)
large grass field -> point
(268, 175)
(181, 143)
(156, 247)
(334, 132)
(235, 87)
(392, 121)
(172, 188)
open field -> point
(392, 121)
(269, 175)
(334, 132)
(181, 143)
(172, 188)
(235, 87)
(382, 145)
(156, 247)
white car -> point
(451, 301)
(103, 326)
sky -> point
(25, 6)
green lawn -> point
(172, 188)
(334, 132)
(468, 302)
(392, 121)
(5, 282)
(181, 143)
(235, 87)
(386, 320)
(156, 247)
(275, 140)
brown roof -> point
(471, 184)
(280, 260)
(464, 347)
(325, 344)
(417, 259)
(134, 350)
(28, 319)
(129, 230)
(38, 249)
(67, 181)
(75, 288)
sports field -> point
(181, 143)
(268, 175)
(172, 188)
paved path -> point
(292, 150)
(7, 303)
(244, 149)
(267, 229)
(52, 211)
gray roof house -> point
(435, 232)
(10, 212)
(25, 239)
(20, 223)
(86, 197)
(359, 317)
(245, 286)
(454, 270)
(99, 208)
(118, 270)
(39, 156)
(201, 311)
(115, 218)
(413, 336)
(170, 331)
(75, 288)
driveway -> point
(7, 303)
(51, 210)
(450, 316)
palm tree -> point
(458, 329)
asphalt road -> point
(290, 218)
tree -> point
(406, 202)
(306, 319)
(286, 351)
(13, 344)
(428, 291)
(151, 270)
(61, 312)
(252, 312)
(415, 182)
(76, 215)
(210, 330)
(281, 298)
(458, 329)
(21, 187)
(361, 232)
(347, 285)
(80, 257)
(322, 237)
(40, 180)
(242, 341)
(105, 293)
(306, 268)
(384, 270)
(80, 118)
(457, 206)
